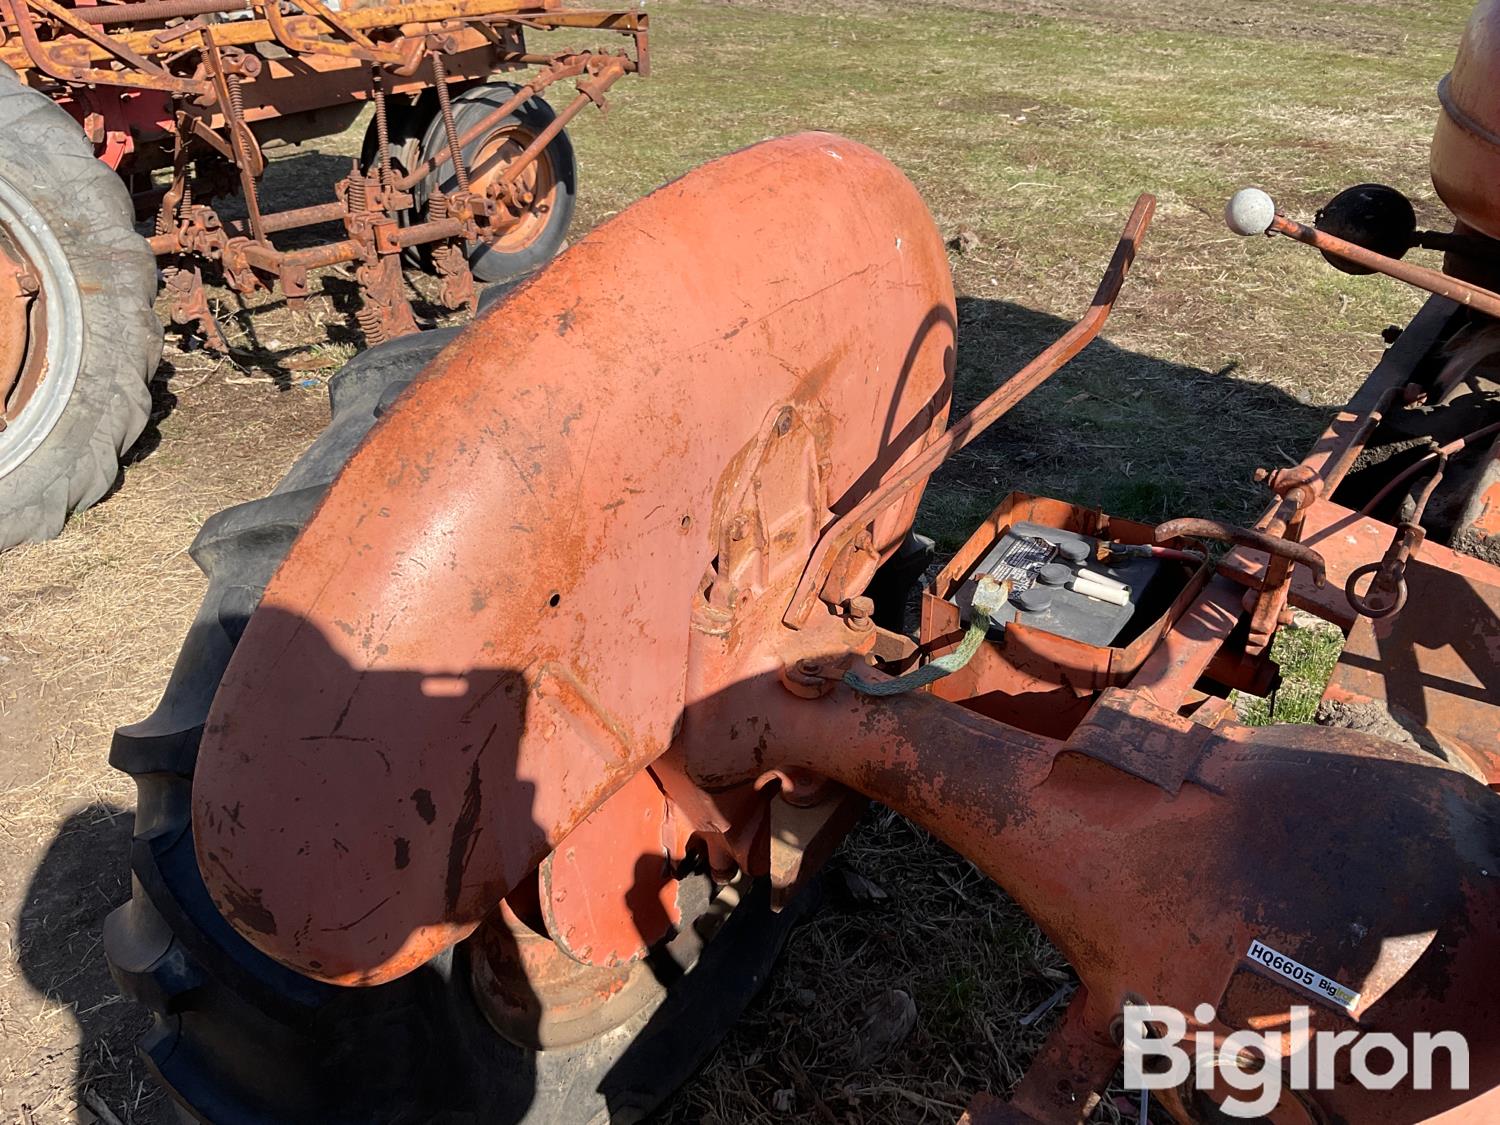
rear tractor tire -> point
(238, 1038)
(79, 340)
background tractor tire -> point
(539, 235)
(79, 395)
(236, 1037)
(406, 124)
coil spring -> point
(382, 125)
(370, 323)
(450, 126)
(236, 98)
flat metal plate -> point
(1437, 661)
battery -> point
(1041, 563)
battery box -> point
(1052, 648)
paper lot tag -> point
(1340, 996)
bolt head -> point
(857, 612)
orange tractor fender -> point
(471, 663)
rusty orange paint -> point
(1346, 541)
(1487, 520)
(19, 294)
(1154, 850)
(1436, 666)
(502, 578)
(608, 891)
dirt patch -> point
(1019, 108)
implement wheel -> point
(503, 1028)
(546, 186)
(79, 340)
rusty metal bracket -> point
(187, 305)
(1269, 597)
(1166, 755)
(248, 159)
(355, 45)
(1386, 595)
(385, 312)
(842, 535)
(139, 72)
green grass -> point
(1307, 654)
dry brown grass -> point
(1031, 123)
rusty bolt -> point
(805, 679)
(784, 421)
(857, 613)
(1260, 476)
(739, 528)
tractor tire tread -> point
(78, 460)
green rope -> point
(989, 598)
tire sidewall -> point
(469, 107)
(88, 210)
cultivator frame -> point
(191, 86)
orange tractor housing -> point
(564, 636)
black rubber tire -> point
(406, 123)
(469, 107)
(45, 157)
(238, 1038)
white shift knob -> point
(1250, 211)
